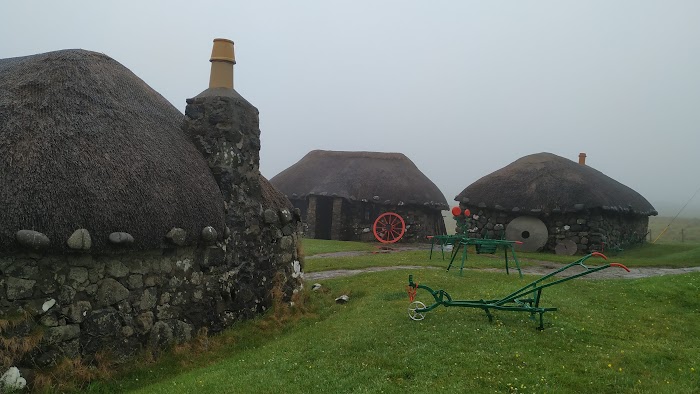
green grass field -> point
(319, 246)
(608, 336)
(647, 255)
(681, 229)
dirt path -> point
(540, 268)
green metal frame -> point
(492, 243)
(512, 302)
(463, 242)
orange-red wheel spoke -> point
(389, 227)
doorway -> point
(324, 217)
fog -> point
(462, 88)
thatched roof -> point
(85, 143)
(551, 183)
(384, 178)
(273, 198)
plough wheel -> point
(389, 227)
(412, 310)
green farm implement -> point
(526, 299)
(462, 241)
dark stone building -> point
(125, 224)
(552, 203)
(341, 194)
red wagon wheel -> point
(389, 228)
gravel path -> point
(541, 267)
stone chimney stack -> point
(222, 61)
(225, 129)
(254, 248)
(582, 159)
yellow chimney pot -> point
(222, 61)
(582, 159)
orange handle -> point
(599, 254)
(620, 265)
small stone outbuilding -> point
(341, 194)
(549, 202)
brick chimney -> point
(582, 159)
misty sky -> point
(462, 88)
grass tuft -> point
(14, 348)
(73, 374)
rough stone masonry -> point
(81, 303)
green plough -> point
(526, 299)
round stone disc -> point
(532, 232)
(566, 247)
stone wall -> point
(78, 304)
(353, 220)
(82, 304)
(310, 218)
(588, 229)
(225, 129)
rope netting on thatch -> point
(373, 176)
(85, 143)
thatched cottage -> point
(549, 202)
(124, 223)
(341, 194)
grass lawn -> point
(608, 336)
(319, 246)
(614, 336)
(645, 255)
(681, 229)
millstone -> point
(566, 247)
(532, 232)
